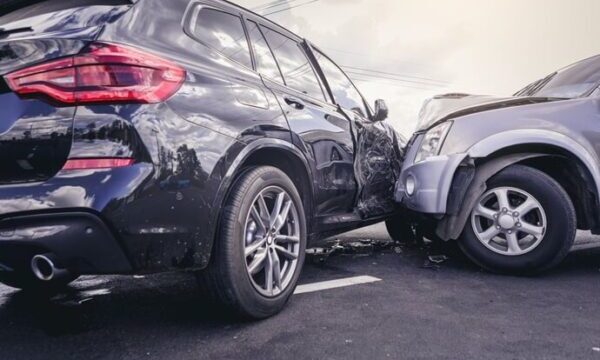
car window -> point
(344, 92)
(225, 33)
(297, 71)
(265, 62)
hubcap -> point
(509, 221)
(272, 241)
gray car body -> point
(489, 134)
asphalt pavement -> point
(424, 303)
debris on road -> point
(437, 259)
(434, 252)
(433, 262)
(366, 247)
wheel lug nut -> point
(498, 227)
(504, 210)
(510, 231)
(518, 224)
(515, 214)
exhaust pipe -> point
(44, 268)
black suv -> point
(148, 136)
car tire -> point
(29, 283)
(232, 279)
(543, 235)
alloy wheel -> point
(272, 241)
(509, 221)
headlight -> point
(433, 141)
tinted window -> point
(344, 92)
(295, 67)
(265, 62)
(225, 33)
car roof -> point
(257, 17)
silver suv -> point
(511, 179)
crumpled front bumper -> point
(432, 181)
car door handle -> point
(295, 103)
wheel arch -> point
(577, 172)
(267, 152)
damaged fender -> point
(377, 166)
(452, 225)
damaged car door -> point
(377, 154)
(316, 126)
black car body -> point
(132, 176)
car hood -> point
(449, 106)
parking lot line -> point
(333, 284)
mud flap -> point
(451, 226)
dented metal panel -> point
(377, 166)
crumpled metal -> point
(377, 167)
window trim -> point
(314, 49)
(254, 60)
(308, 58)
(190, 18)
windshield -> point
(577, 80)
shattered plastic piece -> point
(366, 247)
(437, 259)
(361, 247)
(429, 265)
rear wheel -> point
(259, 251)
(524, 223)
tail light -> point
(97, 163)
(104, 73)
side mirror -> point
(381, 110)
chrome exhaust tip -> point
(44, 268)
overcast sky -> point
(419, 48)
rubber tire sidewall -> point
(560, 231)
(247, 299)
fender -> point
(506, 139)
(451, 226)
(235, 167)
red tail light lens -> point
(103, 163)
(105, 73)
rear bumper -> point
(78, 216)
(81, 241)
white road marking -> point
(334, 284)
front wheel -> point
(260, 248)
(525, 223)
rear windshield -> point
(37, 13)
